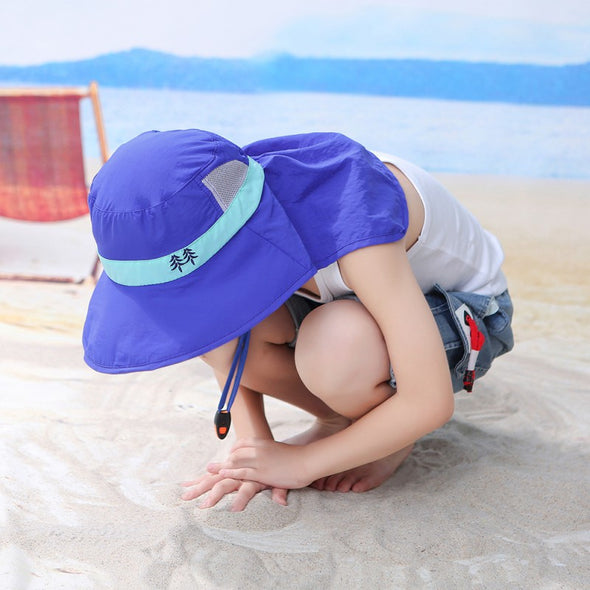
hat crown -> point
(152, 196)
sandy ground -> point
(498, 498)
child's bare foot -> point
(320, 429)
(365, 477)
(360, 479)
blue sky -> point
(522, 31)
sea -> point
(438, 135)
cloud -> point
(387, 32)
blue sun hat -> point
(200, 240)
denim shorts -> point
(492, 314)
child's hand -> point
(218, 487)
(267, 462)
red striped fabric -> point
(41, 158)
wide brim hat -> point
(195, 247)
(201, 240)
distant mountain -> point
(455, 80)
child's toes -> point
(347, 483)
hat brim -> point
(143, 328)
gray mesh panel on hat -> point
(225, 181)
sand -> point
(498, 498)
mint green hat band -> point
(177, 264)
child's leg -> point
(270, 369)
(342, 358)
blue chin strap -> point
(223, 416)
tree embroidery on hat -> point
(177, 262)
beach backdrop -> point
(90, 464)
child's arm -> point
(248, 416)
(383, 280)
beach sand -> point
(498, 498)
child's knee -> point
(340, 350)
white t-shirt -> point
(453, 250)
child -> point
(305, 268)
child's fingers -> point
(244, 473)
(246, 492)
(279, 495)
(214, 467)
(194, 482)
(201, 486)
(190, 495)
(218, 491)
